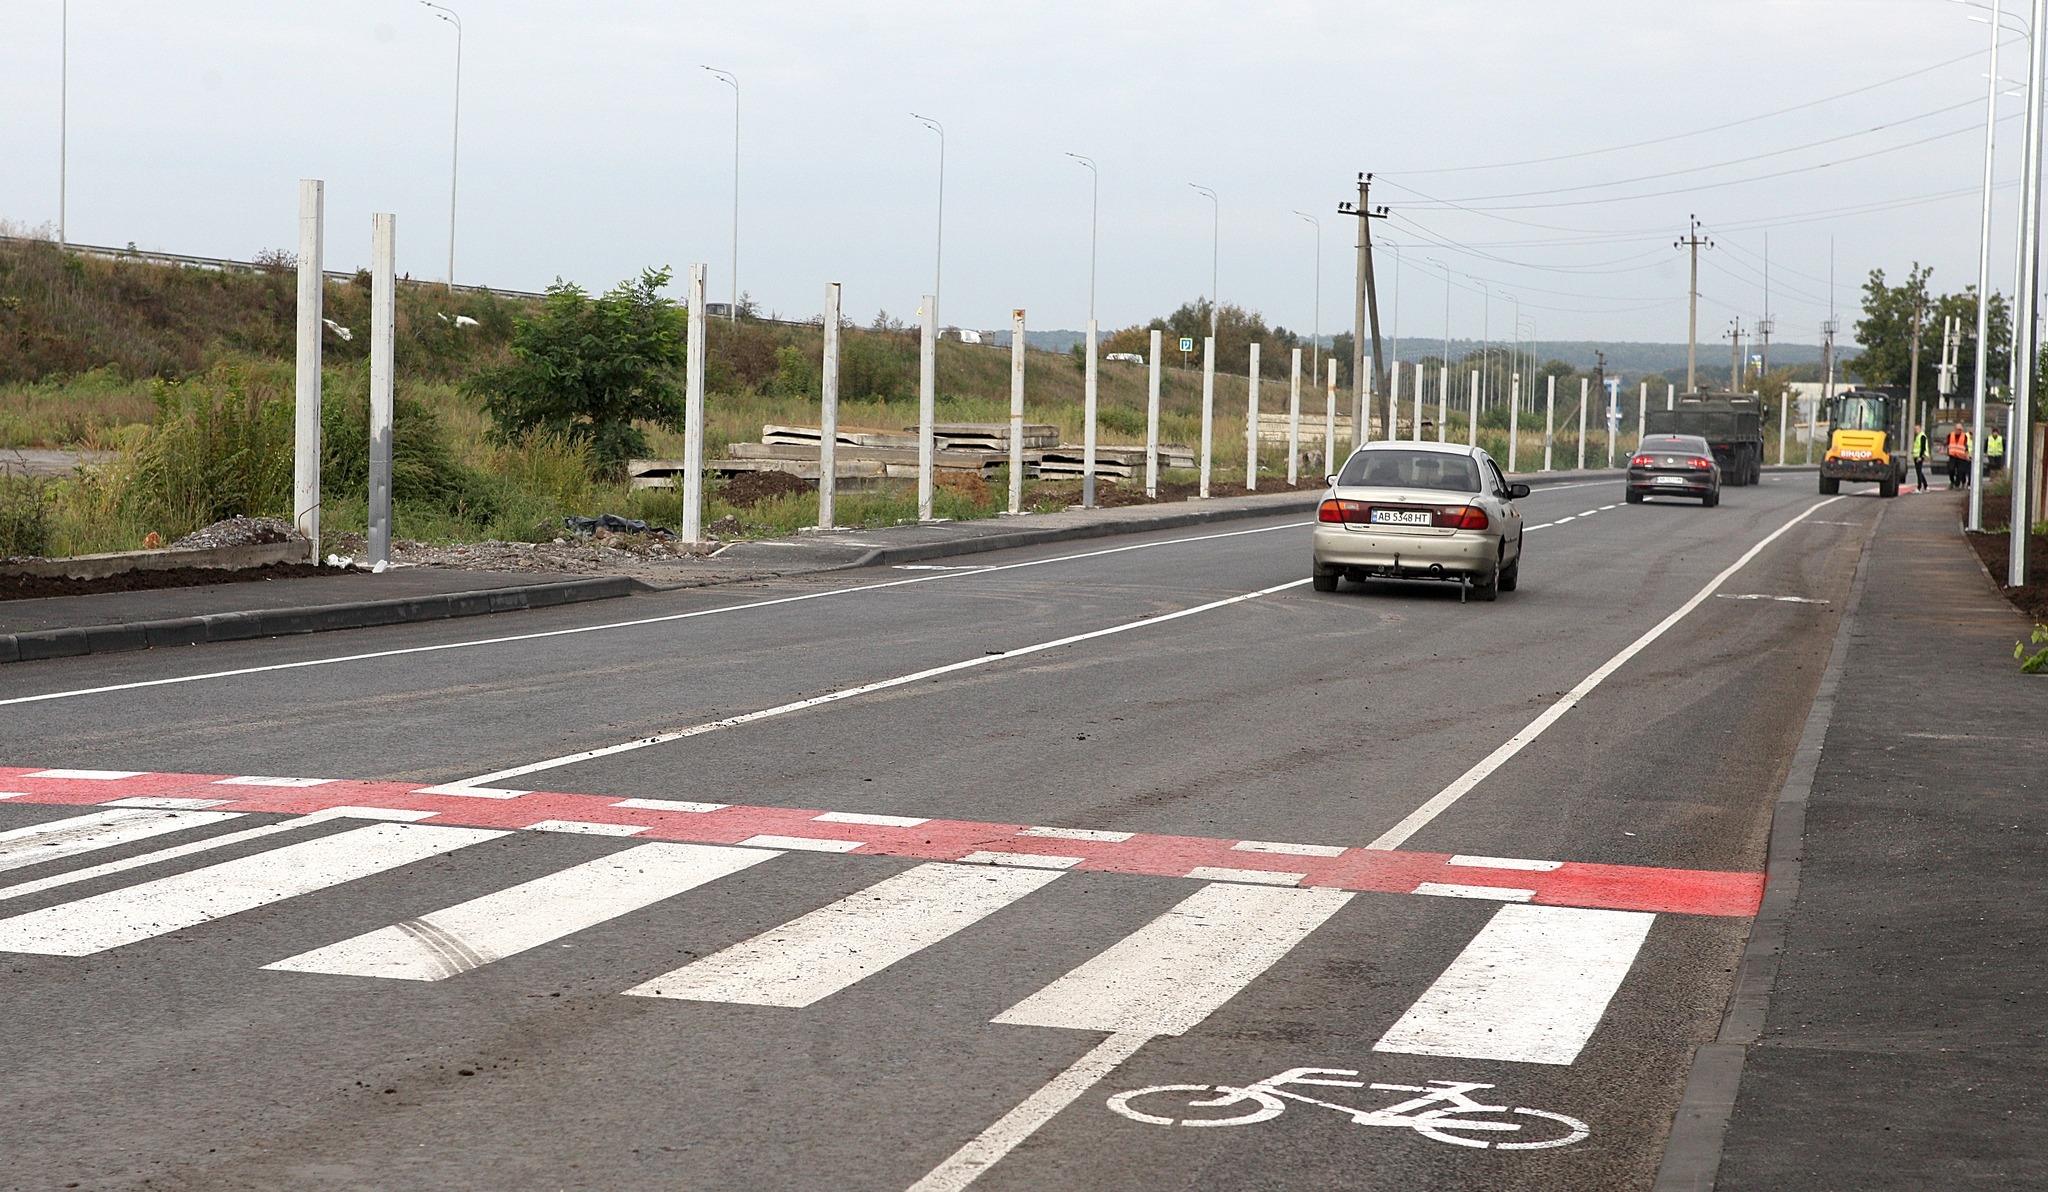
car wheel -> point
(1487, 589)
(1888, 488)
(1634, 497)
(1511, 576)
(1829, 486)
(1324, 583)
(1710, 500)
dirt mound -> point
(30, 587)
(749, 489)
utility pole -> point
(1367, 309)
(1735, 355)
(1827, 384)
(1764, 327)
(1693, 240)
(1913, 378)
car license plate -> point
(1400, 517)
(1671, 480)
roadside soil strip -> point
(1543, 882)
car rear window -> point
(1690, 443)
(1399, 468)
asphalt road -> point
(810, 1018)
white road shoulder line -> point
(607, 626)
(1418, 819)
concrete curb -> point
(225, 558)
(1692, 1153)
(278, 622)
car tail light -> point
(1462, 517)
(1700, 463)
(1341, 511)
(1642, 461)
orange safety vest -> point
(1959, 444)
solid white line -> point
(100, 829)
(609, 625)
(831, 697)
(200, 846)
(988, 1148)
(168, 904)
(1531, 987)
(1438, 803)
(813, 957)
(513, 920)
(1178, 969)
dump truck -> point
(1867, 441)
(1731, 423)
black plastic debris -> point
(613, 523)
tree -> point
(1963, 308)
(1887, 327)
(589, 367)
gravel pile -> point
(238, 531)
(646, 556)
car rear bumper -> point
(1686, 487)
(1858, 469)
(1465, 552)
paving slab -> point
(1904, 1043)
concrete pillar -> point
(306, 392)
(1088, 416)
(828, 415)
(383, 352)
(927, 402)
(1294, 421)
(1208, 405)
(1251, 424)
(1152, 419)
(693, 413)
(1017, 409)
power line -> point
(1699, 132)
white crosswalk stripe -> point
(475, 933)
(58, 839)
(819, 954)
(1176, 970)
(1532, 986)
(168, 904)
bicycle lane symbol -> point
(1444, 1112)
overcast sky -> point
(593, 144)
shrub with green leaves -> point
(587, 368)
(24, 516)
(214, 449)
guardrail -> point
(227, 265)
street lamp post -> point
(1976, 512)
(732, 313)
(63, 115)
(1316, 337)
(939, 251)
(1215, 244)
(455, 138)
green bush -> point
(876, 367)
(214, 449)
(424, 469)
(795, 375)
(24, 516)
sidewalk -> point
(1897, 1034)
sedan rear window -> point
(1399, 468)
(1692, 443)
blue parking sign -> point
(1187, 343)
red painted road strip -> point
(1570, 883)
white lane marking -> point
(97, 830)
(1263, 877)
(987, 1149)
(472, 934)
(862, 817)
(933, 567)
(85, 775)
(809, 844)
(609, 625)
(1178, 969)
(254, 780)
(212, 842)
(472, 792)
(866, 688)
(13, 794)
(1021, 860)
(1438, 803)
(812, 957)
(587, 828)
(1454, 890)
(1078, 834)
(1506, 863)
(1531, 987)
(1607, 507)
(168, 904)
(1768, 596)
(1293, 850)
(672, 805)
(166, 803)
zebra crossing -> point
(1531, 986)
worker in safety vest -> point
(1958, 457)
(1920, 458)
(1994, 452)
